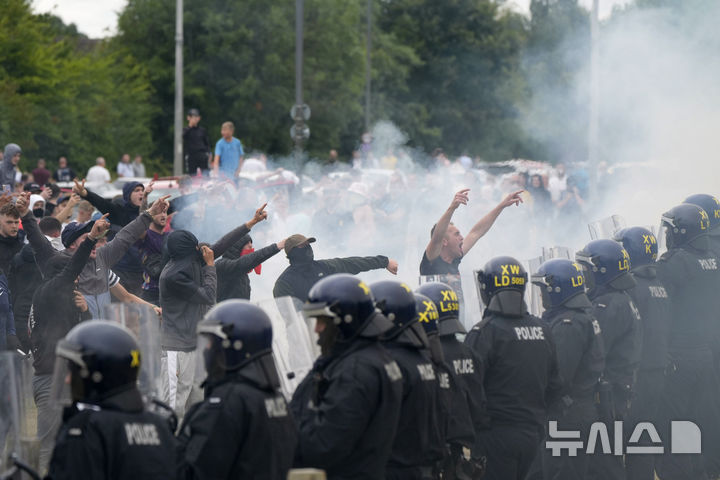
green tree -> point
(63, 95)
(239, 66)
(468, 83)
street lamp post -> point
(300, 113)
(177, 140)
(593, 127)
(368, 65)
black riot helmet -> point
(346, 301)
(447, 305)
(561, 283)
(396, 301)
(103, 357)
(427, 318)
(605, 262)
(642, 247)
(501, 283)
(711, 205)
(686, 225)
(427, 314)
(239, 334)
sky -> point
(98, 18)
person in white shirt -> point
(557, 183)
(125, 168)
(98, 173)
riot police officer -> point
(520, 370)
(711, 205)
(243, 428)
(106, 432)
(606, 266)
(710, 407)
(420, 437)
(581, 358)
(463, 362)
(651, 298)
(459, 433)
(348, 406)
(689, 271)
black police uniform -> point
(691, 277)
(521, 379)
(581, 360)
(114, 439)
(243, 429)
(619, 321)
(459, 432)
(420, 438)
(466, 369)
(651, 298)
(347, 411)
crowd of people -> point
(410, 383)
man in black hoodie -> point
(57, 307)
(233, 268)
(304, 271)
(12, 238)
(188, 289)
(121, 212)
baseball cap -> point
(295, 241)
(32, 187)
(193, 112)
(74, 230)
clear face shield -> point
(144, 323)
(294, 346)
(607, 227)
(67, 376)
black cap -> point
(74, 230)
(32, 187)
(193, 112)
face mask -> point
(301, 255)
(38, 212)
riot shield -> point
(533, 296)
(606, 227)
(144, 323)
(293, 342)
(18, 439)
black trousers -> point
(649, 390)
(510, 450)
(687, 385)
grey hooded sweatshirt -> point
(7, 169)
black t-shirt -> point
(439, 266)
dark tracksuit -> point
(521, 381)
(347, 411)
(297, 280)
(115, 439)
(232, 272)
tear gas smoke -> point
(659, 112)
